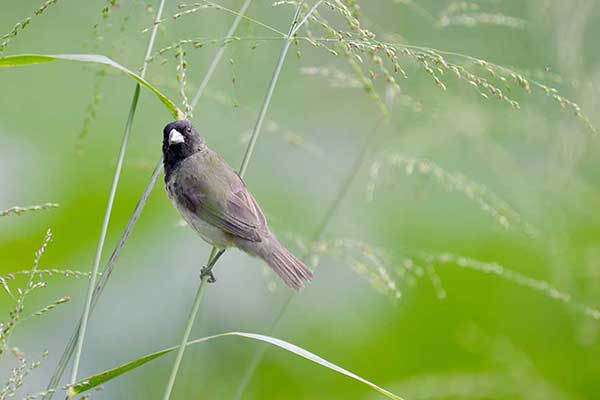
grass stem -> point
(106, 272)
(103, 232)
(188, 327)
(111, 198)
(246, 159)
(259, 353)
(220, 52)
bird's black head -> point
(180, 140)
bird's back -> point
(205, 187)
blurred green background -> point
(489, 338)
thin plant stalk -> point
(306, 16)
(213, 65)
(263, 110)
(111, 199)
(259, 353)
(188, 329)
(103, 280)
(68, 352)
(103, 232)
(247, 156)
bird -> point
(214, 200)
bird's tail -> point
(289, 268)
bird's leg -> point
(207, 270)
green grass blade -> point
(103, 377)
(31, 59)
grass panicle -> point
(108, 7)
(23, 24)
(335, 77)
(518, 278)
(505, 76)
(91, 111)
(18, 373)
(371, 263)
(473, 15)
(182, 79)
(387, 272)
(15, 316)
(473, 20)
(490, 203)
(20, 210)
(49, 307)
(64, 272)
(373, 58)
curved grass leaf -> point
(103, 377)
(30, 59)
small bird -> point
(214, 201)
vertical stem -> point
(244, 166)
(70, 348)
(267, 101)
(110, 202)
(186, 335)
(103, 232)
(220, 52)
(159, 12)
(341, 193)
(305, 18)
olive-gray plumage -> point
(214, 200)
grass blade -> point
(106, 273)
(106, 376)
(81, 327)
(70, 348)
(103, 377)
(103, 232)
(31, 59)
(92, 285)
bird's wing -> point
(217, 195)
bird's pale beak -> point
(175, 137)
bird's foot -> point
(206, 271)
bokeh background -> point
(487, 338)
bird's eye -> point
(188, 130)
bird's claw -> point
(205, 271)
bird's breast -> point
(211, 234)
